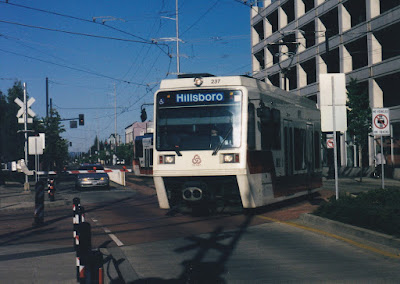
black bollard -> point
(96, 266)
(39, 204)
(84, 253)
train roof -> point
(188, 82)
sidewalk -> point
(27, 263)
(14, 197)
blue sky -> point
(83, 69)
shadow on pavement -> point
(197, 270)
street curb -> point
(335, 227)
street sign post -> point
(381, 127)
(23, 117)
(332, 102)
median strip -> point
(349, 241)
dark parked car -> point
(92, 179)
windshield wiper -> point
(222, 142)
(177, 151)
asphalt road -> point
(145, 243)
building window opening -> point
(259, 28)
(357, 11)
(309, 34)
(358, 50)
(274, 79)
(309, 5)
(332, 61)
(390, 44)
(288, 8)
(390, 89)
(274, 50)
(388, 5)
(309, 68)
(331, 23)
(273, 20)
(260, 58)
(291, 75)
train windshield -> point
(198, 120)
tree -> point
(12, 140)
(55, 154)
(125, 152)
(358, 116)
(12, 151)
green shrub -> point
(377, 210)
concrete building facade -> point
(293, 41)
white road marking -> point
(110, 234)
(113, 237)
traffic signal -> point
(143, 116)
(81, 119)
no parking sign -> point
(380, 121)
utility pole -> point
(47, 97)
(26, 185)
(115, 115)
(177, 38)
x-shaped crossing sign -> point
(21, 113)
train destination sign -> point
(195, 97)
(380, 121)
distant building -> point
(138, 129)
(293, 41)
(112, 141)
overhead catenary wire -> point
(76, 33)
(73, 68)
(92, 22)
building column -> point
(344, 19)
(299, 8)
(374, 50)
(346, 60)
(375, 94)
(282, 18)
(301, 77)
(373, 8)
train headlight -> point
(230, 158)
(167, 159)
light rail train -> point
(143, 155)
(234, 140)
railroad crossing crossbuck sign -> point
(380, 121)
(22, 111)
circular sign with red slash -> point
(329, 143)
(381, 121)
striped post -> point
(51, 188)
(78, 218)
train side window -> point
(317, 150)
(251, 128)
(276, 129)
(299, 149)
